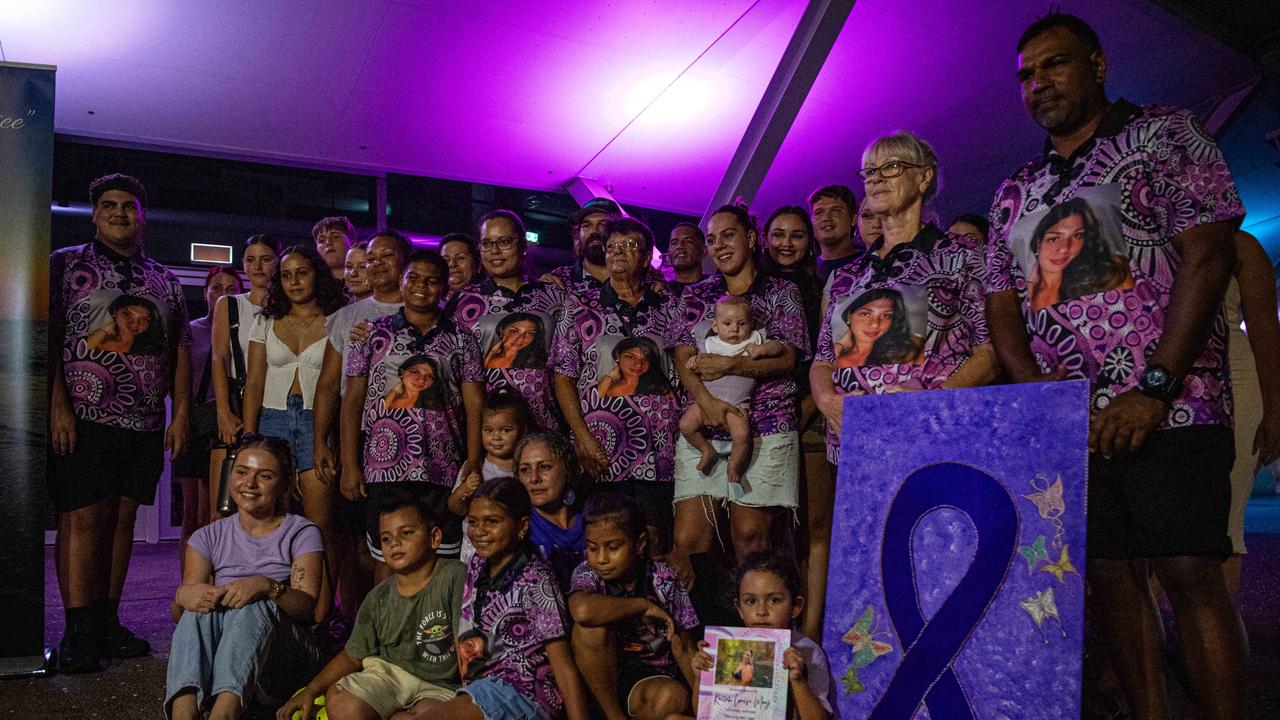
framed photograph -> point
(747, 681)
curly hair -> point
(329, 292)
(562, 450)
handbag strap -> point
(237, 355)
(205, 377)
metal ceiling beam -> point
(804, 57)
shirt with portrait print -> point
(776, 311)
(505, 623)
(1099, 226)
(413, 417)
(122, 319)
(498, 316)
(906, 321)
(626, 381)
(642, 640)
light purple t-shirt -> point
(236, 554)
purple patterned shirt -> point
(122, 320)
(1100, 224)
(576, 278)
(778, 312)
(626, 382)
(413, 416)
(643, 641)
(907, 321)
(505, 624)
(527, 317)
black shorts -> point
(436, 497)
(108, 461)
(655, 498)
(1172, 497)
(194, 462)
(631, 674)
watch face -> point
(1157, 376)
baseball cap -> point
(596, 205)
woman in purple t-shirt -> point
(249, 586)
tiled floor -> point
(135, 688)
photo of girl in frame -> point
(1073, 250)
(637, 369)
(133, 326)
(421, 385)
(519, 341)
(881, 327)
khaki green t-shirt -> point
(416, 633)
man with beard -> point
(1154, 353)
(587, 225)
(831, 209)
(685, 250)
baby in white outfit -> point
(732, 334)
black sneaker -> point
(79, 652)
(120, 643)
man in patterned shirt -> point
(1108, 258)
(587, 225)
(119, 344)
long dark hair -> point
(534, 355)
(152, 340)
(1096, 269)
(431, 398)
(654, 380)
(896, 345)
(330, 293)
(804, 273)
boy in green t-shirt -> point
(402, 647)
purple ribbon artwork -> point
(959, 524)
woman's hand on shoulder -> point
(244, 591)
(199, 597)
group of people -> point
(535, 470)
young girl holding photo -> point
(631, 615)
(511, 635)
(770, 596)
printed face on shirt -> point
(630, 366)
(118, 220)
(883, 326)
(732, 322)
(515, 340)
(543, 475)
(1074, 249)
(407, 540)
(132, 326)
(420, 385)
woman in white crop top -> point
(258, 263)
(286, 351)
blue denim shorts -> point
(499, 701)
(294, 425)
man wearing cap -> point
(587, 224)
(119, 344)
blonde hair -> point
(909, 148)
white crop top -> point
(282, 363)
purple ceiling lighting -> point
(649, 96)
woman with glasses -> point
(938, 274)
(286, 351)
(249, 589)
(512, 317)
(770, 482)
(614, 383)
(233, 317)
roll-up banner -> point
(26, 185)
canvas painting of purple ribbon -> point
(957, 554)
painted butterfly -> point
(1033, 553)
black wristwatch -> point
(1159, 383)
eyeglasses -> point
(891, 169)
(502, 243)
(622, 246)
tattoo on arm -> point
(296, 577)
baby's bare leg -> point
(739, 427)
(691, 429)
